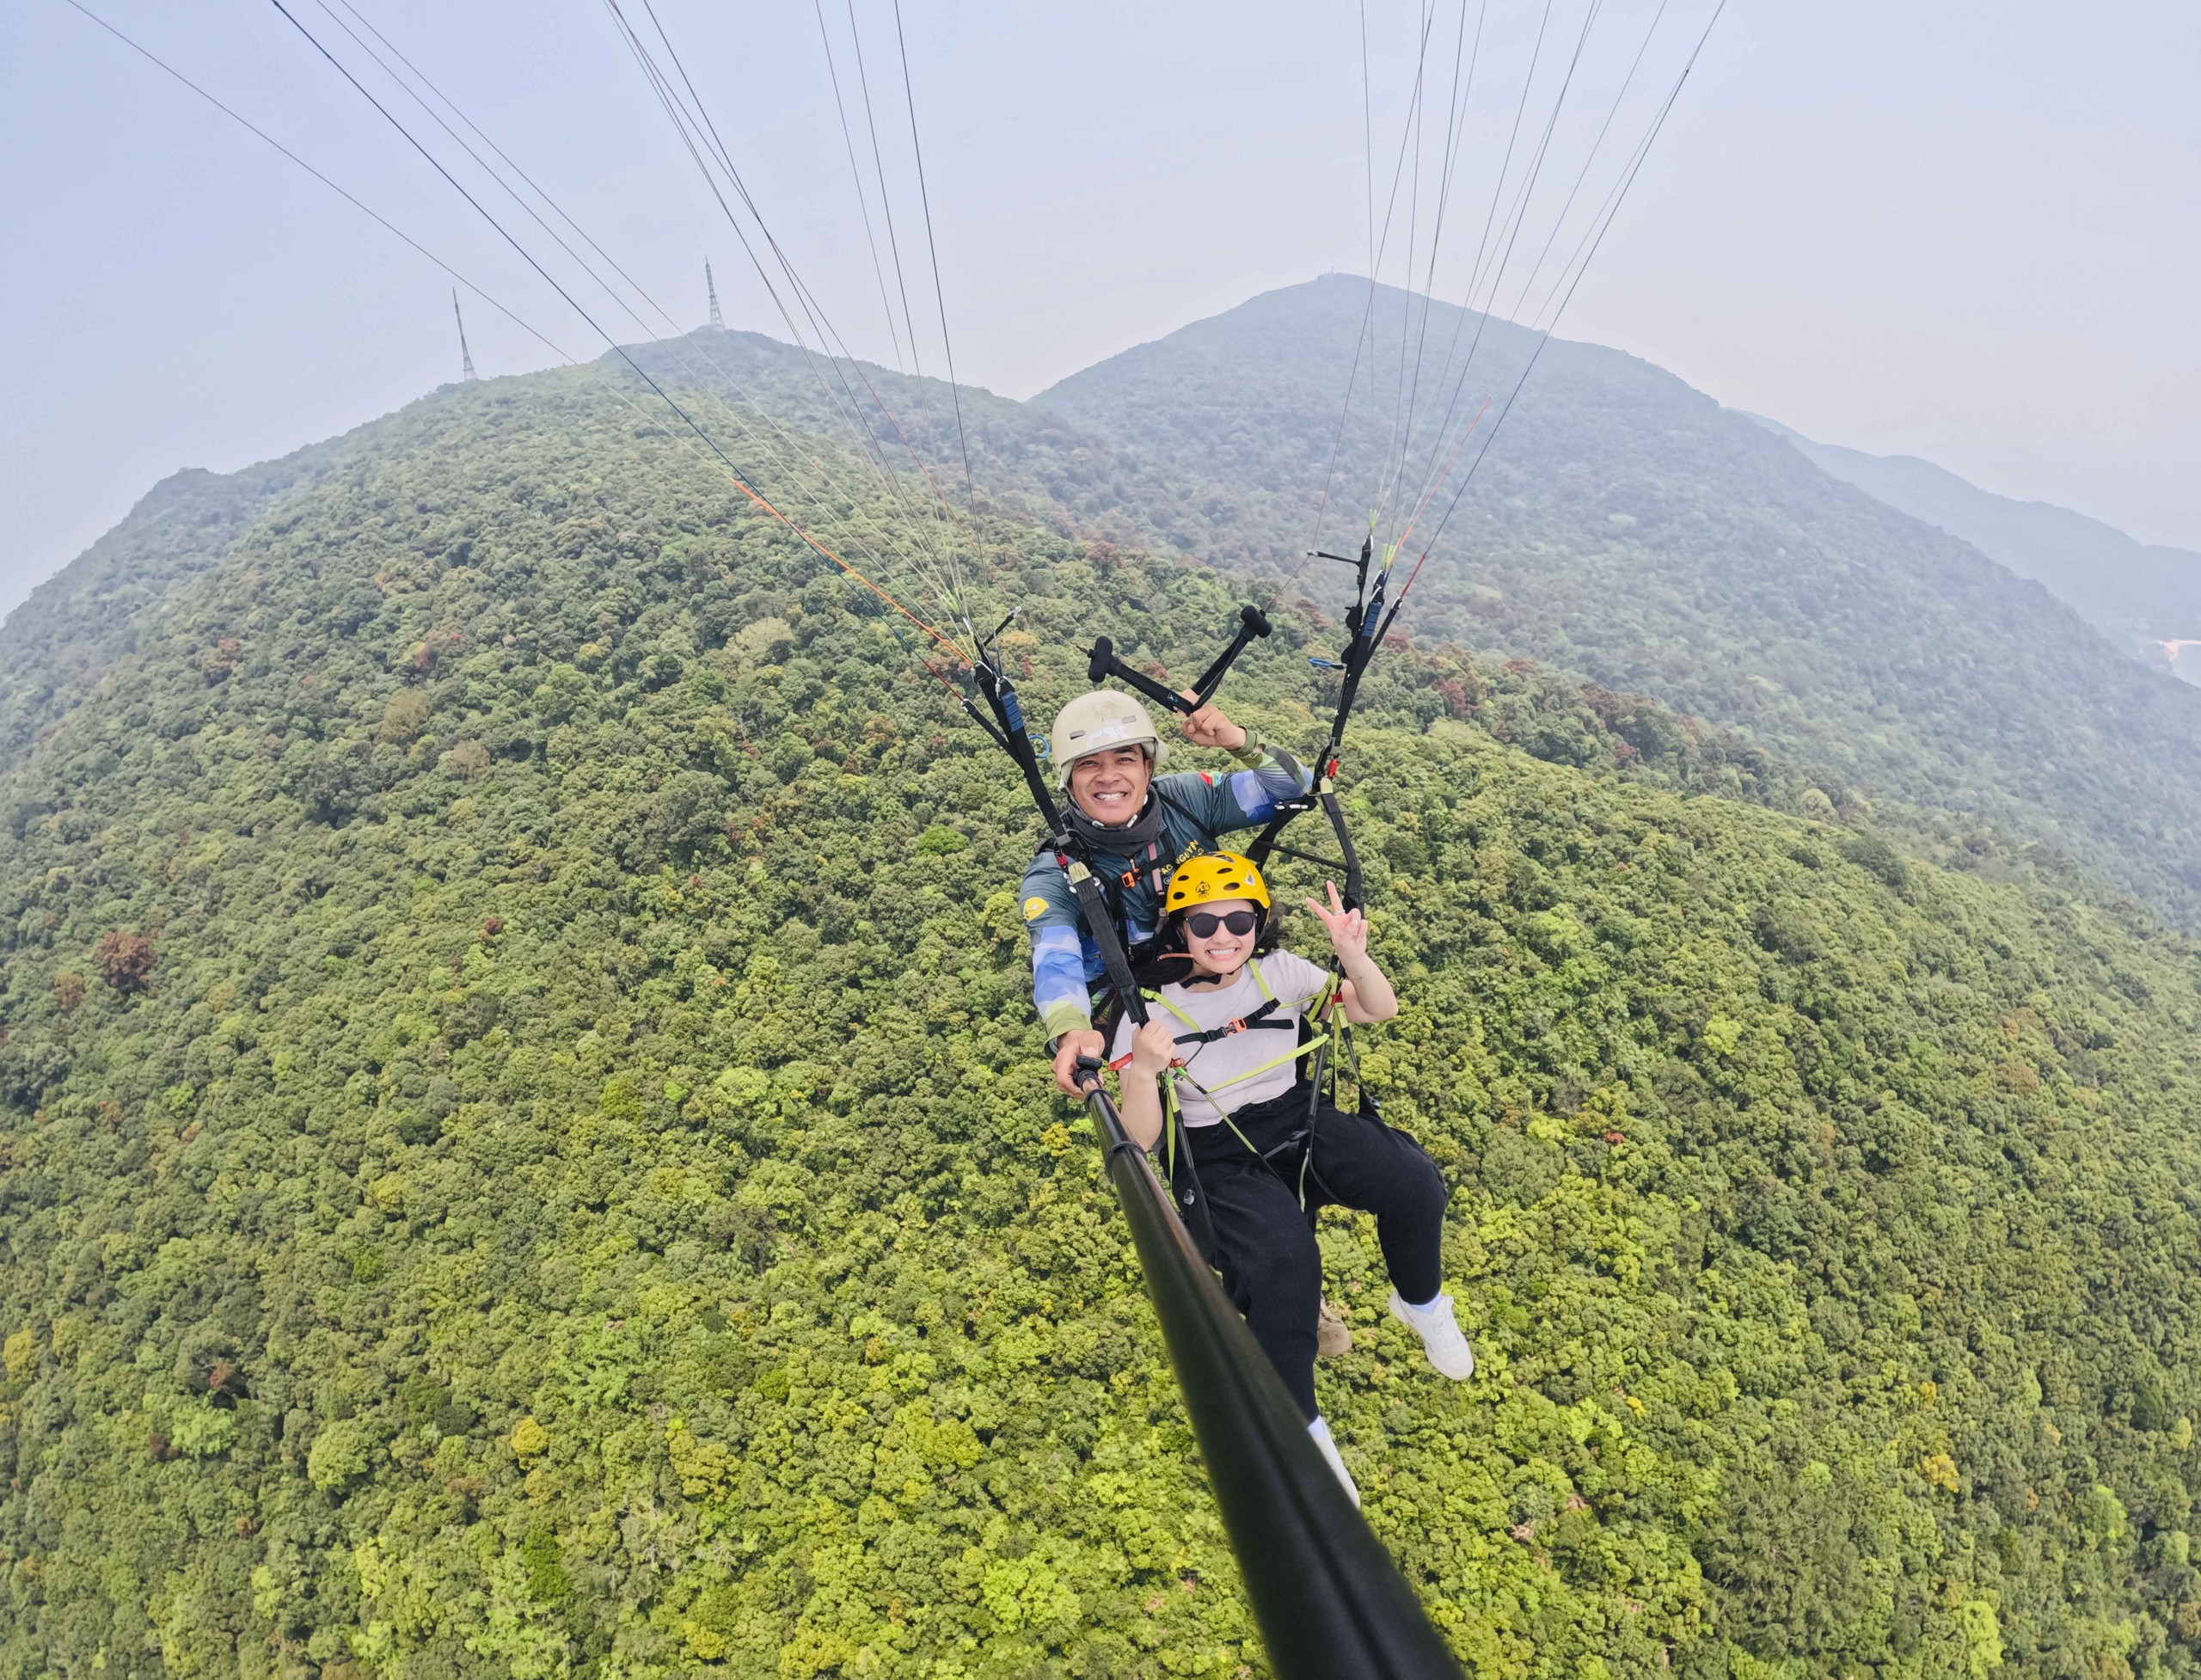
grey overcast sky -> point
(1968, 231)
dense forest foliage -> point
(1627, 528)
(57, 646)
(523, 1149)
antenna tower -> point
(465, 356)
(712, 286)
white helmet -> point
(1098, 722)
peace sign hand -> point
(1347, 928)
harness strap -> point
(1259, 1018)
(1153, 870)
(1306, 1137)
(1173, 1107)
(1101, 927)
(1290, 1055)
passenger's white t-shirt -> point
(1293, 981)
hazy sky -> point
(1969, 232)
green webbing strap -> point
(1184, 1019)
(1175, 1074)
(1251, 1148)
(1292, 1055)
(1173, 1111)
(1342, 1034)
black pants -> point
(1264, 1247)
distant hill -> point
(1032, 460)
(524, 1150)
(77, 626)
(2145, 597)
(1626, 527)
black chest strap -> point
(1247, 1023)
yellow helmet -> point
(1213, 875)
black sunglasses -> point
(1203, 922)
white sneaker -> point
(1441, 1339)
(1320, 1431)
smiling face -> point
(1220, 954)
(1110, 787)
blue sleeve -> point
(1060, 986)
(1268, 784)
(1243, 798)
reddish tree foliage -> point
(491, 927)
(125, 960)
(1453, 694)
(227, 1378)
(434, 646)
(68, 991)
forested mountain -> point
(56, 646)
(2145, 597)
(1628, 528)
(523, 1152)
(1023, 459)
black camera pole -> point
(1329, 1600)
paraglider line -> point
(248, 124)
(925, 197)
(740, 479)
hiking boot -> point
(1333, 1335)
(1319, 1431)
(1441, 1339)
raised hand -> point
(1347, 928)
(1208, 727)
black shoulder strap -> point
(1207, 840)
(1098, 916)
(1245, 1023)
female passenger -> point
(1267, 1155)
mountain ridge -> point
(1628, 528)
(76, 625)
(2146, 597)
(1885, 662)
